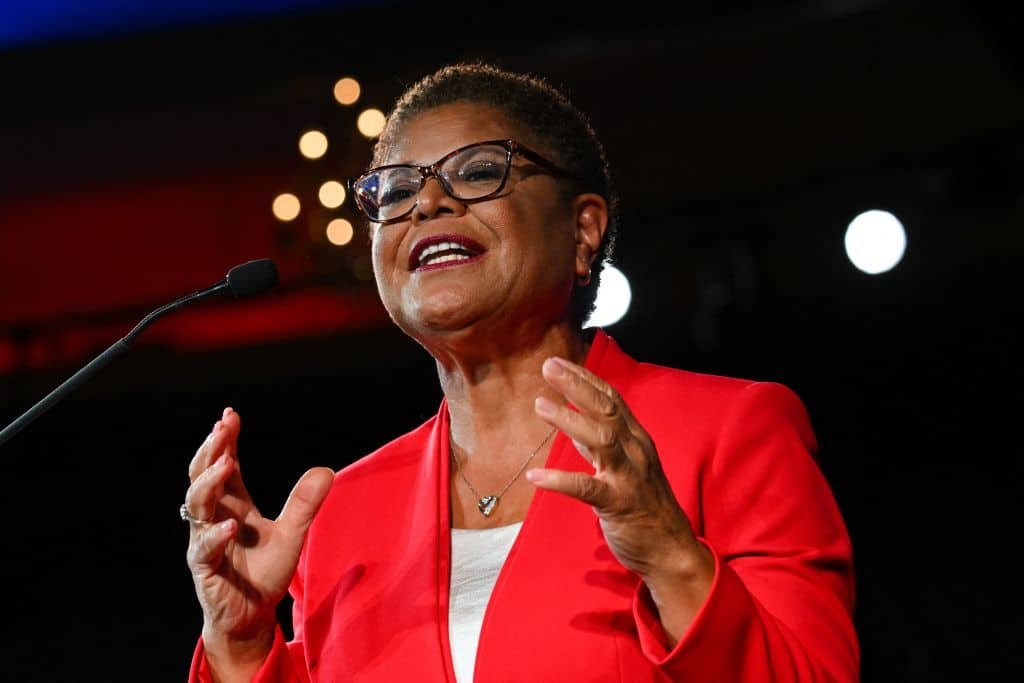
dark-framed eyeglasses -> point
(473, 173)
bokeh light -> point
(340, 232)
(371, 122)
(346, 91)
(875, 241)
(313, 144)
(286, 206)
(613, 298)
(332, 194)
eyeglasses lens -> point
(473, 173)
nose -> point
(433, 201)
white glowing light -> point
(875, 241)
(613, 297)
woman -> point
(570, 513)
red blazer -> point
(371, 589)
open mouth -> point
(440, 251)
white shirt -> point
(477, 557)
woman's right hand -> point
(241, 561)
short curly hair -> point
(546, 112)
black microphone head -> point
(254, 277)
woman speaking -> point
(570, 513)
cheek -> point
(526, 225)
(383, 252)
(376, 256)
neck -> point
(491, 391)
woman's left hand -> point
(642, 521)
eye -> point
(481, 171)
(398, 192)
(479, 165)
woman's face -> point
(516, 256)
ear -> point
(591, 213)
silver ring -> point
(187, 516)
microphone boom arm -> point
(100, 361)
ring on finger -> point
(187, 516)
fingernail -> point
(225, 526)
(537, 476)
(553, 367)
(544, 406)
(220, 462)
(227, 411)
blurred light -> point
(339, 232)
(332, 194)
(286, 206)
(371, 122)
(875, 241)
(346, 91)
(613, 297)
(313, 144)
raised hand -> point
(241, 561)
(642, 521)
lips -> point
(443, 250)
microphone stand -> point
(100, 361)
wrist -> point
(237, 658)
(679, 586)
(680, 565)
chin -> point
(444, 312)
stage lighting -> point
(613, 297)
(286, 207)
(313, 144)
(875, 241)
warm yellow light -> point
(371, 122)
(332, 194)
(286, 207)
(339, 232)
(346, 91)
(313, 144)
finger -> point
(595, 395)
(590, 391)
(599, 427)
(304, 501)
(586, 391)
(615, 402)
(224, 432)
(576, 484)
(596, 441)
(201, 460)
(205, 492)
(206, 547)
(232, 426)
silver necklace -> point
(486, 504)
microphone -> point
(244, 280)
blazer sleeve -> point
(286, 661)
(781, 604)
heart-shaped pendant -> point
(486, 505)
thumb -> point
(304, 501)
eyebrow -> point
(441, 156)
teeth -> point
(444, 259)
(426, 254)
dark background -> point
(139, 164)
